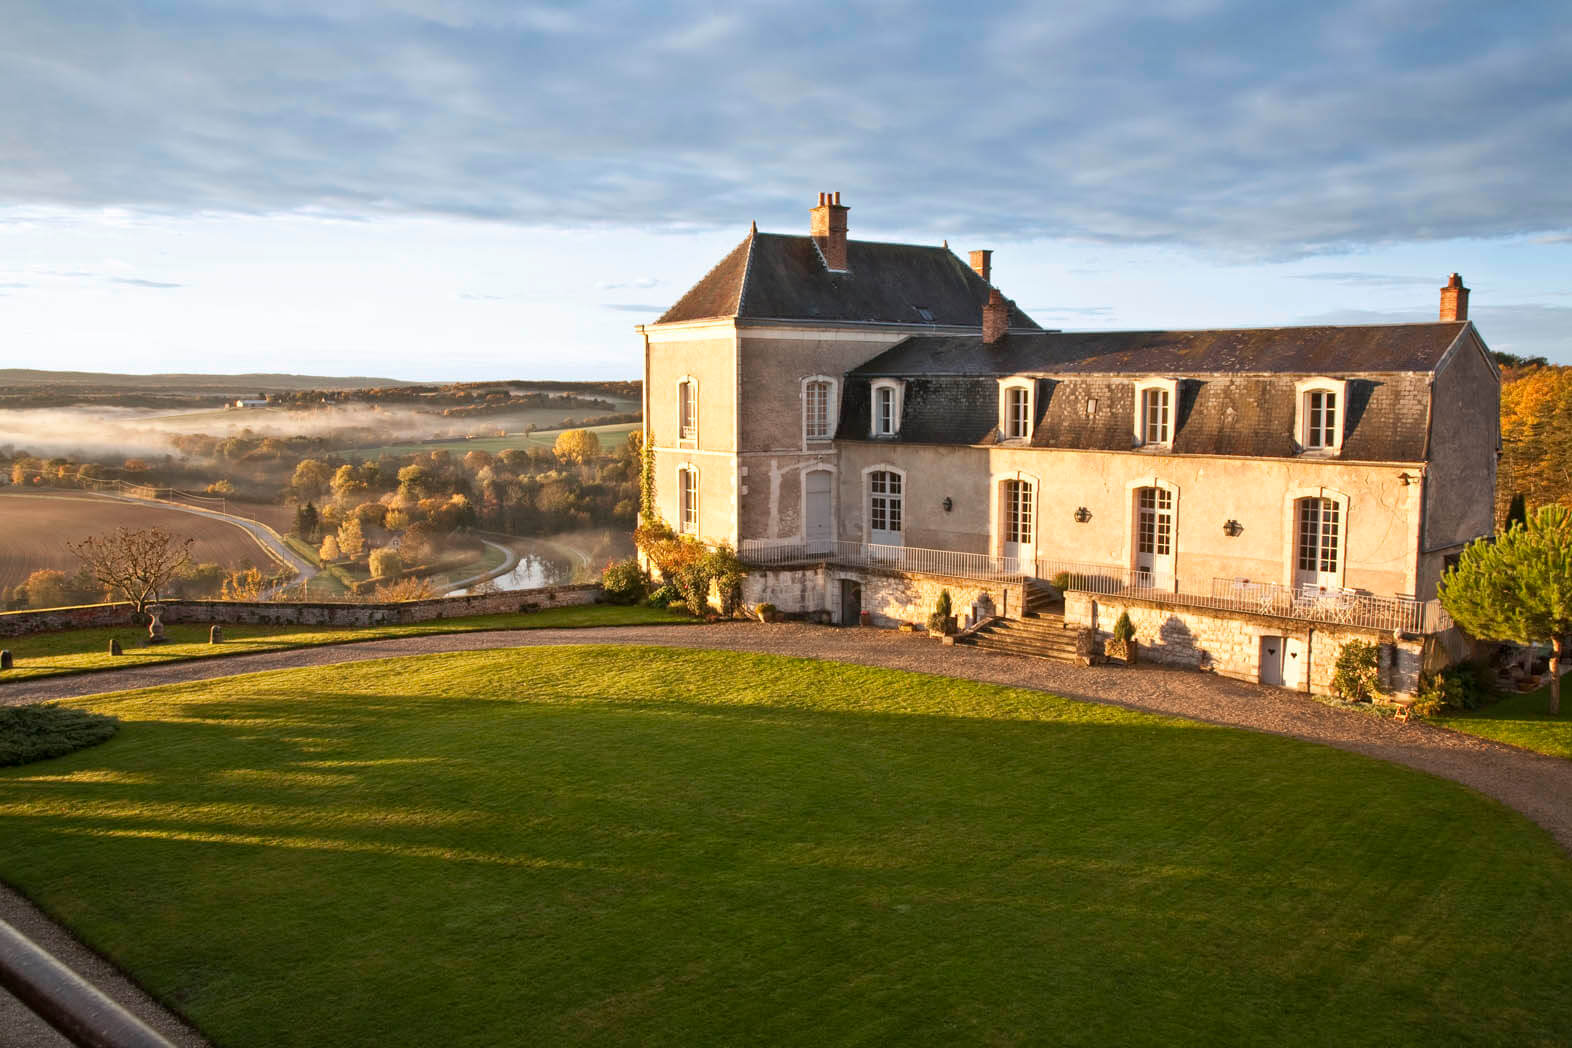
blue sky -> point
(467, 189)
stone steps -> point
(1043, 637)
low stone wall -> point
(1229, 643)
(302, 613)
(890, 597)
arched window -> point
(1320, 412)
(886, 497)
(886, 408)
(818, 408)
(1016, 408)
(688, 409)
(1155, 402)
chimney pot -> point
(982, 262)
(995, 318)
(1454, 300)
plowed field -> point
(34, 530)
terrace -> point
(1344, 607)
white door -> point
(1154, 537)
(816, 507)
(1019, 518)
(1319, 540)
(885, 504)
(1272, 661)
(1293, 662)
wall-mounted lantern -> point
(947, 503)
(1406, 478)
(1082, 515)
(1232, 528)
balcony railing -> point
(914, 559)
(1310, 603)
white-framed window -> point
(688, 499)
(1320, 409)
(688, 409)
(1017, 408)
(1319, 541)
(1153, 531)
(1154, 534)
(886, 506)
(1156, 400)
(818, 408)
(886, 407)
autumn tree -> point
(329, 550)
(577, 446)
(346, 482)
(1536, 439)
(310, 477)
(47, 588)
(385, 563)
(351, 540)
(133, 565)
(247, 584)
(1518, 587)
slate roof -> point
(771, 276)
(1321, 350)
(1236, 392)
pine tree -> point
(1518, 587)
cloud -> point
(636, 282)
(1538, 328)
(1368, 279)
(1076, 311)
(138, 282)
(1193, 123)
(470, 297)
(635, 307)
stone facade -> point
(890, 597)
(1230, 643)
(301, 613)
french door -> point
(1154, 537)
(1019, 519)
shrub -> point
(1061, 581)
(663, 596)
(1463, 687)
(47, 588)
(404, 589)
(940, 619)
(765, 611)
(36, 733)
(1356, 676)
(624, 582)
(1124, 629)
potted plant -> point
(1121, 648)
(767, 612)
(941, 623)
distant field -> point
(38, 526)
(609, 436)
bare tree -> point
(135, 565)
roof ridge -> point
(747, 268)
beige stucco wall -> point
(1380, 526)
(708, 355)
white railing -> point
(1315, 604)
(914, 559)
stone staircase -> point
(1039, 632)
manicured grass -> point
(36, 733)
(79, 651)
(650, 846)
(1520, 719)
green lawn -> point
(649, 846)
(78, 651)
(1520, 719)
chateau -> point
(872, 423)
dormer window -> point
(1017, 408)
(1155, 400)
(886, 407)
(1320, 408)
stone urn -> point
(155, 625)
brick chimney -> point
(996, 317)
(829, 230)
(1454, 300)
(982, 262)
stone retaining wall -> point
(890, 597)
(1229, 643)
(302, 613)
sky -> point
(468, 189)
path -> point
(1536, 785)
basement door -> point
(1272, 661)
(816, 507)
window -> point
(1155, 522)
(688, 496)
(1017, 513)
(884, 506)
(886, 408)
(1320, 408)
(1155, 401)
(1154, 416)
(687, 409)
(818, 395)
(1015, 408)
(1319, 537)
